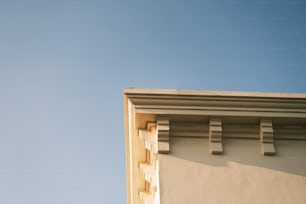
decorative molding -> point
(148, 198)
(213, 115)
(189, 129)
(149, 137)
(163, 129)
(218, 103)
(215, 136)
(236, 130)
(266, 137)
(289, 132)
(149, 166)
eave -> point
(210, 114)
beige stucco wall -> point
(189, 174)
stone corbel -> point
(266, 137)
(148, 198)
(163, 129)
(149, 171)
(149, 167)
(149, 137)
(156, 140)
(215, 136)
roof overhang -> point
(211, 114)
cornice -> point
(153, 116)
(232, 104)
(175, 92)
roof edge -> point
(140, 91)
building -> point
(215, 147)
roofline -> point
(130, 91)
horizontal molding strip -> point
(221, 113)
(188, 93)
(224, 108)
(224, 102)
(302, 138)
(198, 130)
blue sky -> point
(64, 65)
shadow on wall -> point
(290, 157)
(190, 174)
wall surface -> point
(189, 174)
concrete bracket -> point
(163, 129)
(266, 137)
(215, 136)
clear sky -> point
(64, 65)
